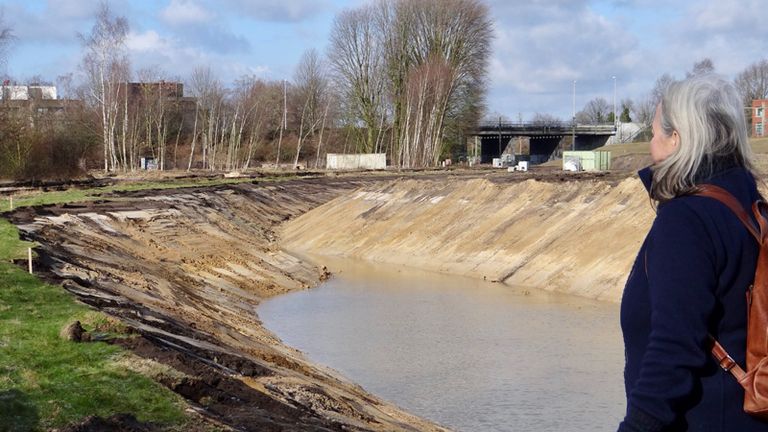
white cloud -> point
(277, 10)
(541, 48)
(185, 12)
(150, 40)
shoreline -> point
(171, 267)
(186, 268)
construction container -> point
(587, 160)
(366, 161)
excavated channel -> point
(186, 269)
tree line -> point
(752, 84)
(401, 77)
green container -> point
(589, 160)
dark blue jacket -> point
(689, 280)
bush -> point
(49, 147)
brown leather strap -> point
(729, 200)
(725, 361)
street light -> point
(615, 119)
(573, 121)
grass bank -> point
(48, 382)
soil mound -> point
(115, 423)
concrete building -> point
(34, 100)
(22, 92)
(171, 92)
(759, 114)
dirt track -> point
(186, 269)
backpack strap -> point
(732, 203)
(725, 361)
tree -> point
(594, 112)
(644, 110)
(752, 82)
(310, 92)
(106, 65)
(660, 87)
(356, 58)
(542, 119)
(627, 106)
(6, 37)
(701, 67)
(209, 92)
(448, 52)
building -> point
(33, 100)
(170, 93)
(759, 114)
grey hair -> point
(707, 113)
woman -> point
(692, 272)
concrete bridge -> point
(492, 138)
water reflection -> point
(470, 355)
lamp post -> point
(573, 120)
(615, 119)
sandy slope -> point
(578, 237)
(186, 269)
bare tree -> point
(701, 67)
(595, 111)
(447, 43)
(266, 102)
(542, 119)
(210, 100)
(752, 82)
(6, 37)
(106, 66)
(356, 58)
(644, 110)
(310, 92)
(660, 87)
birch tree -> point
(210, 99)
(448, 43)
(106, 65)
(430, 59)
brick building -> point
(759, 115)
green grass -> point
(48, 382)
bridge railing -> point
(535, 126)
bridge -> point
(492, 138)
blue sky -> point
(540, 47)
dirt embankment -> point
(186, 268)
(554, 233)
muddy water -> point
(470, 355)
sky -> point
(540, 47)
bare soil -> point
(186, 268)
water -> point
(470, 355)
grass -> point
(47, 382)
